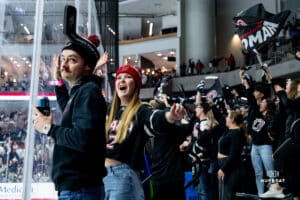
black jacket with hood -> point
(79, 150)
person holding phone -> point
(79, 149)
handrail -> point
(155, 37)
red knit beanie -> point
(133, 71)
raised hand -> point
(99, 69)
(177, 112)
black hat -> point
(86, 49)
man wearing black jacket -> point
(78, 157)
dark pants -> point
(229, 185)
(174, 191)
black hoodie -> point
(79, 150)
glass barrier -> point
(17, 22)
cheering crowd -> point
(246, 141)
(222, 139)
(114, 150)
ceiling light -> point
(165, 58)
(159, 54)
(150, 29)
(211, 77)
(26, 30)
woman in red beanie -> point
(129, 125)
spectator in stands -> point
(199, 67)
(13, 163)
(129, 125)
(230, 62)
(19, 133)
(261, 113)
(167, 161)
(213, 64)
(191, 66)
(183, 69)
(78, 157)
(290, 104)
(229, 156)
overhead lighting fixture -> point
(26, 30)
(150, 29)
(172, 52)
(211, 77)
(165, 58)
(159, 54)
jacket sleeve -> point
(62, 96)
(88, 119)
(154, 121)
(253, 108)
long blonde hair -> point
(210, 116)
(127, 116)
(293, 93)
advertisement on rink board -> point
(39, 191)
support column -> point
(197, 30)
